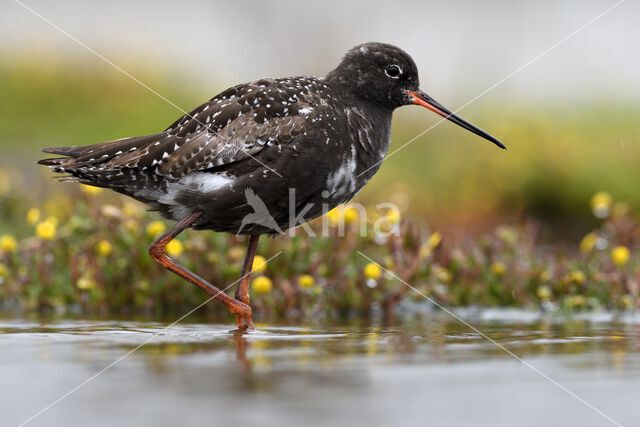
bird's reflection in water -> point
(279, 358)
(242, 345)
(357, 371)
(274, 357)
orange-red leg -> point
(242, 293)
(240, 310)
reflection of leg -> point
(157, 250)
(242, 293)
(241, 351)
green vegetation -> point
(67, 250)
(85, 251)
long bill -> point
(418, 97)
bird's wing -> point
(235, 125)
(239, 123)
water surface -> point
(429, 371)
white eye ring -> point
(393, 71)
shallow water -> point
(432, 371)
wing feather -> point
(234, 126)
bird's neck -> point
(350, 94)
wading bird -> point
(233, 163)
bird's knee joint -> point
(156, 251)
(243, 311)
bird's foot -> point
(245, 322)
(244, 319)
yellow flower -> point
(90, 190)
(545, 276)
(131, 210)
(131, 225)
(8, 244)
(626, 302)
(385, 223)
(442, 274)
(498, 268)
(306, 281)
(259, 264)
(104, 248)
(33, 216)
(343, 214)
(620, 255)
(588, 242)
(46, 230)
(577, 277)
(577, 301)
(262, 285)
(601, 204)
(175, 248)
(544, 293)
(85, 283)
(434, 240)
(155, 228)
(393, 216)
(351, 215)
(372, 271)
(334, 216)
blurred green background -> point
(557, 82)
(569, 119)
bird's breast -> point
(342, 182)
(362, 153)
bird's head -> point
(386, 76)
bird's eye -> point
(392, 71)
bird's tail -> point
(91, 155)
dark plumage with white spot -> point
(302, 145)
